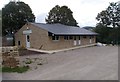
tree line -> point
(16, 14)
(109, 24)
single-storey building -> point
(53, 36)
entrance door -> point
(27, 41)
(75, 41)
(90, 40)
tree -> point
(0, 14)
(104, 33)
(0, 18)
(15, 15)
(61, 15)
(110, 16)
(0, 22)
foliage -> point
(110, 16)
(103, 31)
(107, 35)
(16, 69)
(0, 22)
(109, 24)
(0, 15)
(28, 61)
(15, 15)
(61, 15)
(0, 69)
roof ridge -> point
(53, 24)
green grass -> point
(0, 69)
(16, 69)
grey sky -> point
(84, 11)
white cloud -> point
(41, 17)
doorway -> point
(27, 41)
(75, 40)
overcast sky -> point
(84, 11)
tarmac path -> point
(91, 63)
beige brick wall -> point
(20, 37)
(39, 39)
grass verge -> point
(16, 69)
(0, 69)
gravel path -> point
(92, 63)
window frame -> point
(70, 37)
(28, 38)
(55, 38)
(79, 37)
(85, 36)
(66, 37)
(75, 37)
(19, 43)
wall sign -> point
(27, 32)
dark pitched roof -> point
(60, 29)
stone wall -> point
(10, 56)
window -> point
(84, 37)
(55, 37)
(74, 37)
(49, 34)
(79, 37)
(66, 37)
(70, 37)
(90, 37)
(18, 43)
(28, 38)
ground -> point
(91, 63)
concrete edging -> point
(54, 51)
